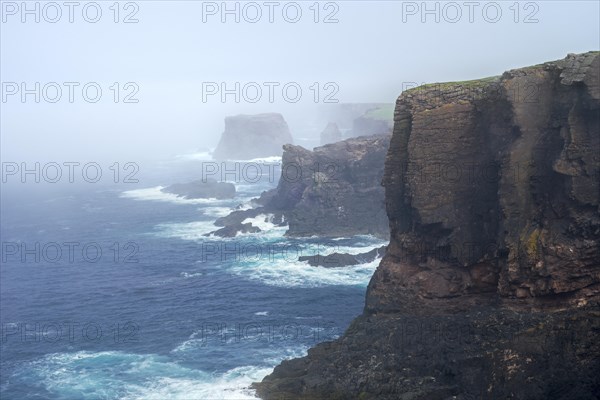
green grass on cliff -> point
(475, 83)
(472, 84)
(385, 112)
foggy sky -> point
(370, 54)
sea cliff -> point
(332, 191)
(490, 285)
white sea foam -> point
(271, 259)
(197, 231)
(264, 160)
(262, 221)
(257, 188)
(200, 156)
(194, 231)
(85, 375)
(156, 194)
(232, 385)
(216, 211)
(245, 206)
(187, 275)
(284, 272)
(326, 248)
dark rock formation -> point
(331, 134)
(334, 190)
(234, 222)
(490, 287)
(252, 136)
(234, 229)
(209, 189)
(335, 260)
(376, 121)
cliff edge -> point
(490, 286)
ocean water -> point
(113, 291)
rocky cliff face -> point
(252, 136)
(334, 190)
(490, 286)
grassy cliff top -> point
(475, 83)
(384, 112)
(472, 84)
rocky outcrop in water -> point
(336, 260)
(248, 137)
(333, 191)
(209, 189)
(490, 287)
(234, 229)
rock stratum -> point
(247, 137)
(490, 285)
(333, 191)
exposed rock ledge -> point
(491, 283)
(336, 260)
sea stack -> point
(248, 137)
(331, 134)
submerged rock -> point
(335, 260)
(234, 222)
